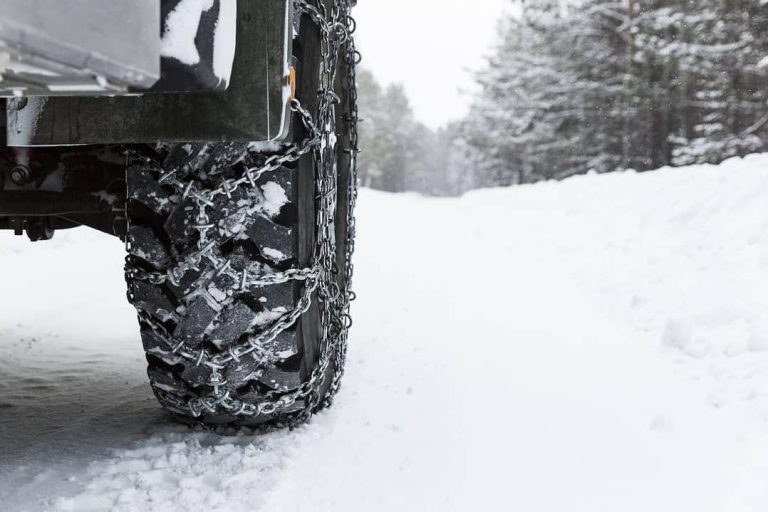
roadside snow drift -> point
(597, 345)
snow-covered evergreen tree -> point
(401, 154)
(580, 85)
(385, 134)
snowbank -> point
(595, 345)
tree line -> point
(401, 154)
(574, 86)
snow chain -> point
(321, 279)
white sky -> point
(429, 46)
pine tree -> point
(519, 125)
(399, 153)
(601, 85)
(711, 50)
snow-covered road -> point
(597, 345)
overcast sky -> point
(429, 46)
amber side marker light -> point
(292, 81)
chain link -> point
(321, 280)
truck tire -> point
(199, 272)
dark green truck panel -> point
(254, 107)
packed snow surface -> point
(596, 345)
